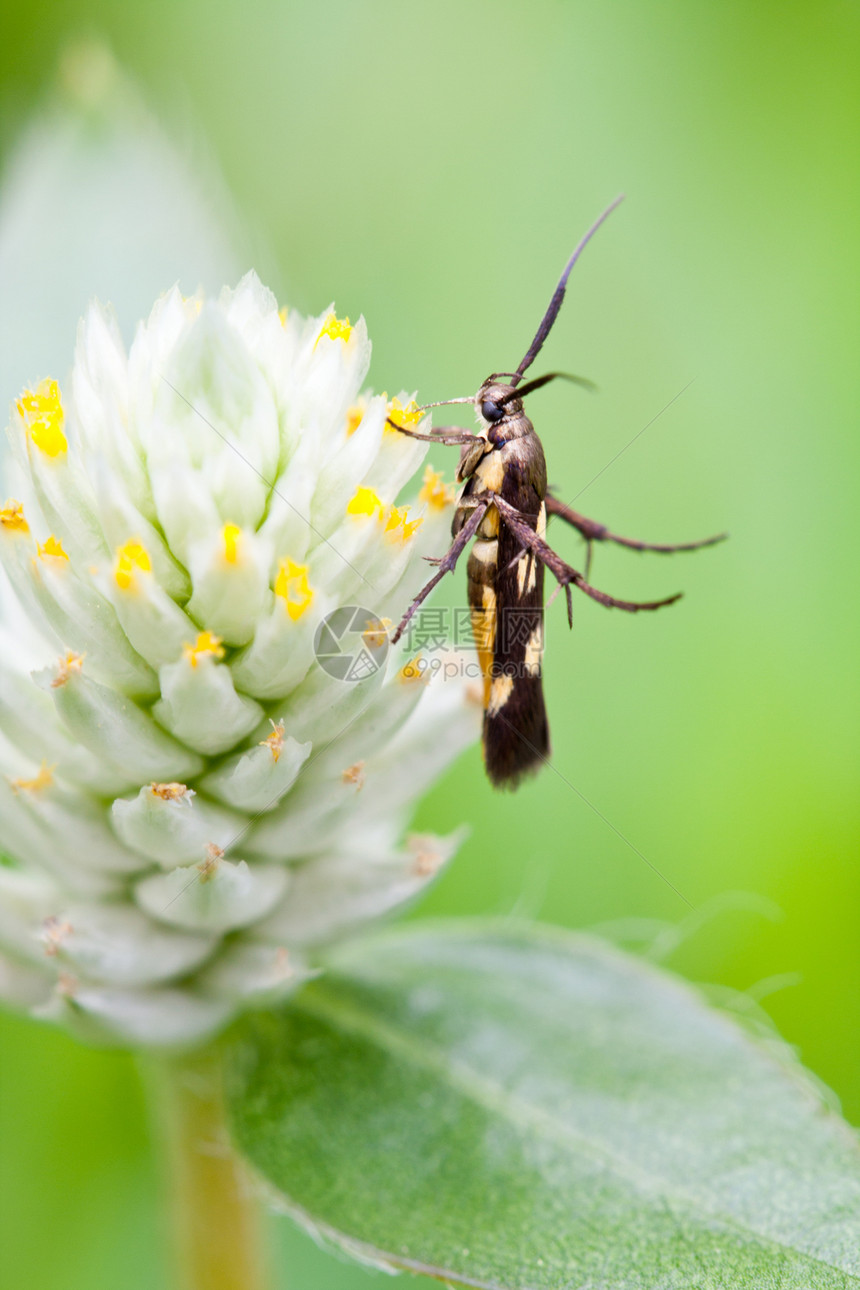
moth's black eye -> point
(491, 411)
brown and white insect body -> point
(503, 510)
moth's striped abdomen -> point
(506, 603)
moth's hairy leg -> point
(564, 573)
(451, 435)
(593, 531)
(447, 563)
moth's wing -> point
(516, 730)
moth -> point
(503, 510)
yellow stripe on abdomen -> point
(482, 603)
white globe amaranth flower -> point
(191, 803)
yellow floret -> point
(435, 492)
(354, 416)
(42, 413)
(365, 502)
(69, 664)
(12, 518)
(44, 779)
(207, 645)
(405, 417)
(335, 328)
(130, 559)
(232, 535)
(53, 547)
(292, 585)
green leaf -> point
(512, 1106)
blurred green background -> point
(431, 166)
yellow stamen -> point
(396, 522)
(129, 559)
(426, 857)
(292, 585)
(70, 663)
(207, 645)
(434, 491)
(67, 985)
(54, 932)
(44, 779)
(354, 416)
(282, 968)
(172, 792)
(365, 502)
(53, 547)
(282, 314)
(335, 328)
(393, 518)
(405, 417)
(12, 518)
(354, 775)
(375, 634)
(275, 741)
(41, 410)
(209, 867)
(414, 670)
(232, 535)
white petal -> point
(328, 380)
(63, 492)
(323, 707)
(246, 972)
(362, 561)
(153, 622)
(307, 820)
(287, 526)
(256, 780)
(123, 522)
(333, 894)
(282, 652)
(200, 705)
(229, 593)
(22, 985)
(218, 900)
(99, 402)
(26, 899)
(118, 945)
(172, 829)
(213, 412)
(18, 551)
(325, 795)
(76, 826)
(83, 620)
(155, 1018)
(30, 840)
(117, 731)
(29, 720)
(445, 722)
(398, 459)
(348, 467)
(252, 309)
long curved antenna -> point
(444, 402)
(558, 295)
(545, 380)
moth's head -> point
(495, 401)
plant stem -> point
(215, 1217)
